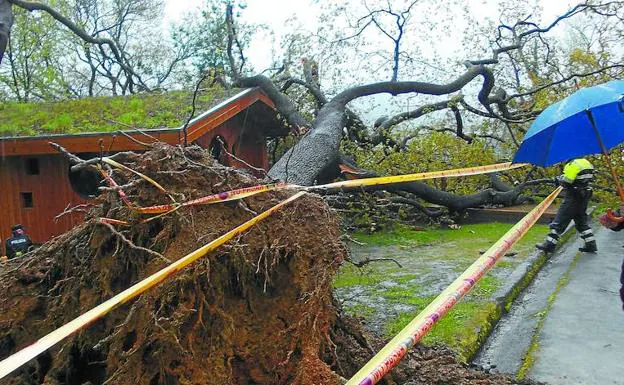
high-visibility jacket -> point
(577, 173)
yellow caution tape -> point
(18, 359)
(214, 198)
(391, 354)
(253, 190)
(421, 176)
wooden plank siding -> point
(51, 193)
(225, 113)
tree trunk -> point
(6, 21)
(316, 151)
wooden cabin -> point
(37, 184)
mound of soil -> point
(259, 310)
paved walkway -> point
(582, 338)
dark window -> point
(32, 166)
(86, 182)
(27, 200)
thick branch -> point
(396, 88)
(37, 6)
(319, 149)
(233, 39)
(283, 103)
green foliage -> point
(31, 67)
(433, 152)
(206, 36)
(105, 114)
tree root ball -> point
(258, 310)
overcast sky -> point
(275, 13)
(446, 42)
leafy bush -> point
(434, 152)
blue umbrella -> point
(590, 121)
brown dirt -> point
(259, 310)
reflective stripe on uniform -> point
(589, 239)
(587, 232)
(552, 240)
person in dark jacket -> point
(19, 243)
(615, 226)
(576, 180)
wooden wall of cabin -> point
(248, 145)
(35, 189)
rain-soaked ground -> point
(388, 296)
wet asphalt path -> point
(581, 337)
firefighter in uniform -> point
(18, 244)
(576, 180)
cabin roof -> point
(154, 119)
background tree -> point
(34, 58)
(113, 47)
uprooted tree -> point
(522, 73)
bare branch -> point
(283, 103)
(518, 39)
(78, 31)
(366, 261)
(563, 80)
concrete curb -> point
(514, 285)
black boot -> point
(590, 247)
(546, 246)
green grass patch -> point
(352, 276)
(432, 259)
(105, 114)
(361, 310)
(461, 329)
(479, 236)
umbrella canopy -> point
(575, 126)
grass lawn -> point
(388, 296)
